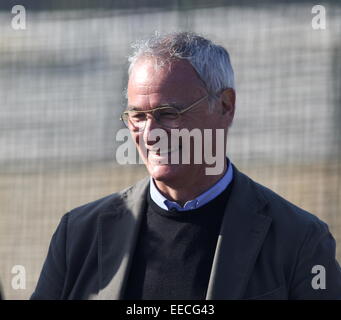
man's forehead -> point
(141, 74)
(148, 72)
(146, 99)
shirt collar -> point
(199, 201)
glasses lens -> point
(134, 120)
(167, 117)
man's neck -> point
(188, 190)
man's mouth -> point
(162, 153)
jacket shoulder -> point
(287, 213)
(110, 203)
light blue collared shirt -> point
(199, 201)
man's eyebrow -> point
(132, 108)
(174, 105)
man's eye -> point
(137, 116)
(168, 114)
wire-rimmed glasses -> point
(166, 116)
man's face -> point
(174, 84)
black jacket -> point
(267, 249)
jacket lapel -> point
(117, 234)
(243, 231)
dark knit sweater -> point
(175, 250)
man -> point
(184, 233)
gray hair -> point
(210, 61)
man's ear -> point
(228, 100)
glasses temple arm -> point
(194, 104)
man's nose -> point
(150, 125)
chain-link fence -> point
(61, 90)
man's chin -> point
(166, 172)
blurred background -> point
(61, 93)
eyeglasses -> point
(168, 116)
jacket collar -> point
(242, 233)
